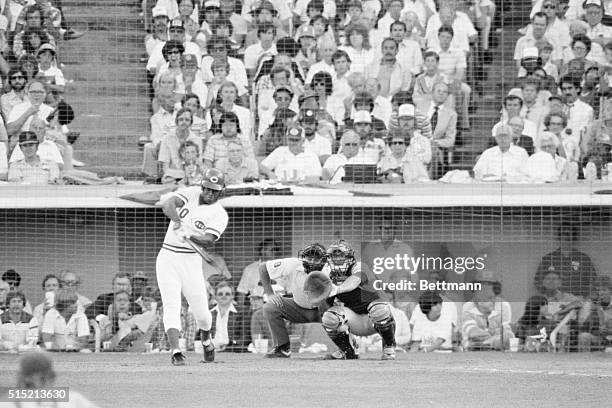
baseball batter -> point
(197, 220)
(352, 308)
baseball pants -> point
(275, 316)
(178, 273)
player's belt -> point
(178, 249)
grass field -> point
(413, 380)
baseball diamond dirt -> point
(414, 380)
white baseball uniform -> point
(179, 267)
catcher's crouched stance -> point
(351, 309)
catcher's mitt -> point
(317, 287)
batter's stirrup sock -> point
(205, 337)
(343, 341)
(387, 332)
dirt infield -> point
(414, 380)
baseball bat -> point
(200, 251)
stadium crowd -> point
(570, 310)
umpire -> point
(296, 309)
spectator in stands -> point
(313, 141)
(72, 281)
(263, 12)
(175, 136)
(15, 318)
(21, 115)
(381, 108)
(593, 89)
(217, 145)
(32, 169)
(121, 282)
(542, 166)
(218, 50)
(280, 95)
(266, 32)
(597, 32)
(502, 162)
(575, 268)
(47, 150)
(176, 32)
(535, 318)
(120, 326)
(580, 115)
(464, 32)
(443, 122)
(390, 166)
(4, 290)
(391, 74)
(539, 23)
(423, 86)
(291, 162)
(519, 138)
(48, 71)
(419, 146)
(432, 324)
(50, 286)
(159, 34)
(267, 249)
(545, 50)
(342, 67)
(486, 319)
(513, 106)
(16, 96)
(580, 50)
(159, 122)
(172, 52)
(602, 306)
(237, 168)
(28, 64)
(453, 64)
(532, 109)
(191, 169)
(307, 55)
(64, 325)
(326, 125)
(333, 169)
(188, 14)
(366, 102)
(358, 47)
(274, 136)
(322, 86)
(556, 123)
(226, 330)
(228, 10)
(34, 19)
(596, 143)
(409, 53)
(325, 51)
(227, 98)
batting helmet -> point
(213, 179)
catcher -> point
(351, 309)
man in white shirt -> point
(21, 115)
(409, 52)
(333, 169)
(597, 32)
(393, 14)
(176, 31)
(313, 142)
(513, 106)
(580, 114)
(539, 23)
(291, 163)
(503, 162)
(392, 75)
(218, 48)
(462, 27)
(266, 33)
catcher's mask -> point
(340, 257)
(313, 257)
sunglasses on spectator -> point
(174, 52)
(37, 92)
(352, 144)
(28, 144)
(397, 142)
(548, 146)
(549, 6)
(318, 83)
(294, 140)
(70, 282)
(14, 77)
(224, 294)
(556, 123)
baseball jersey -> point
(201, 218)
(292, 272)
(357, 299)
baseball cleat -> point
(341, 355)
(278, 352)
(209, 352)
(178, 359)
(388, 353)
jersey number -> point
(183, 213)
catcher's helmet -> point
(213, 179)
(313, 257)
(340, 257)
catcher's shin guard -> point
(384, 323)
(334, 323)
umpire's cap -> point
(213, 179)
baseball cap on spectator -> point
(306, 95)
(46, 47)
(555, 97)
(283, 89)
(176, 24)
(362, 117)
(11, 276)
(189, 60)
(3, 22)
(159, 11)
(308, 115)
(212, 4)
(588, 3)
(306, 31)
(139, 275)
(26, 137)
(294, 132)
(263, 5)
(405, 110)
